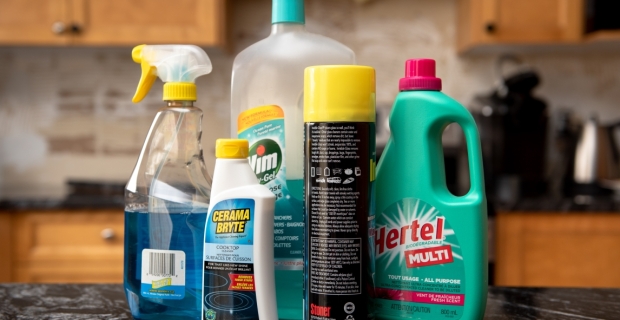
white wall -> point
(66, 112)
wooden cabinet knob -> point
(108, 234)
(490, 27)
(76, 28)
(59, 27)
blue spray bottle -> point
(167, 196)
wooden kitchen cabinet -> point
(540, 249)
(6, 258)
(64, 246)
(490, 22)
(33, 22)
(112, 22)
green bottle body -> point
(430, 245)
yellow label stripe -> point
(257, 115)
(162, 283)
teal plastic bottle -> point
(430, 245)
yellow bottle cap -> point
(231, 148)
(339, 93)
(179, 91)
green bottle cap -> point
(291, 11)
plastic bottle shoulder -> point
(304, 48)
(256, 192)
(270, 72)
(429, 103)
(435, 97)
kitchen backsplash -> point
(66, 113)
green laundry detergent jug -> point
(430, 245)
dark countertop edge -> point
(72, 203)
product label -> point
(422, 273)
(228, 280)
(339, 175)
(163, 274)
(264, 128)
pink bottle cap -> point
(420, 75)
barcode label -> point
(163, 274)
(161, 264)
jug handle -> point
(474, 153)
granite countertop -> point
(107, 301)
(71, 202)
(607, 204)
(76, 194)
(118, 202)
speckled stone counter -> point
(51, 302)
(56, 302)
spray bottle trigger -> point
(149, 74)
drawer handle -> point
(108, 234)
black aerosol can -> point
(339, 166)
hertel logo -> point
(265, 159)
(428, 232)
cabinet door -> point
(68, 246)
(41, 22)
(558, 250)
(519, 22)
(133, 22)
(6, 250)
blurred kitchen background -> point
(542, 78)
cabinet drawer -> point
(558, 250)
(70, 272)
(69, 236)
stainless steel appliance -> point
(596, 159)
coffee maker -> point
(513, 133)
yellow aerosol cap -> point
(231, 148)
(339, 93)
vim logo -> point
(265, 158)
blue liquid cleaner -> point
(289, 293)
(174, 231)
(290, 283)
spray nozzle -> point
(176, 65)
